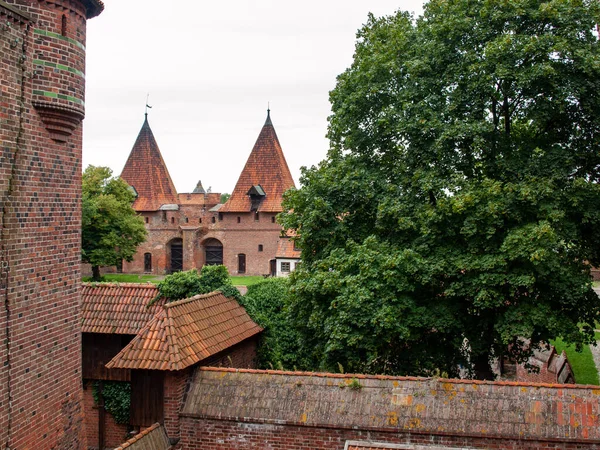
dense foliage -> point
(459, 202)
(180, 285)
(117, 398)
(280, 345)
(110, 228)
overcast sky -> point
(210, 69)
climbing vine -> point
(117, 399)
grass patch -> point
(127, 278)
(596, 283)
(582, 363)
(246, 281)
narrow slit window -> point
(63, 25)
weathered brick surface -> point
(228, 408)
(40, 189)
(214, 434)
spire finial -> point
(268, 121)
(147, 105)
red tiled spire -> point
(266, 167)
(147, 172)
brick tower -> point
(42, 44)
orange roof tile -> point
(186, 332)
(285, 249)
(147, 172)
(266, 167)
(113, 308)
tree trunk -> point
(96, 273)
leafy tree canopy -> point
(460, 197)
(111, 229)
(281, 344)
(180, 285)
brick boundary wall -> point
(239, 409)
(225, 434)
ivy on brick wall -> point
(117, 399)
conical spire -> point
(147, 172)
(199, 189)
(267, 170)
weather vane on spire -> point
(147, 105)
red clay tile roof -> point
(285, 249)
(266, 167)
(113, 308)
(147, 172)
(186, 332)
(152, 438)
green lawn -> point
(128, 278)
(582, 363)
(133, 278)
(246, 281)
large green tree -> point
(458, 211)
(110, 228)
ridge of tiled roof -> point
(147, 172)
(266, 167)
(185, 332)
(152, 438)
(117, 308)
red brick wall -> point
(197, 433)
(40, 189)
(244, 237)
(116, 433)
(11, 77)
(175, 384)
(240, 356)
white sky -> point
(210, 69)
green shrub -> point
(280, 345)
(117, 399)
(182, 285)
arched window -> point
(148, 262)
(213, 251)
(175, 248)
